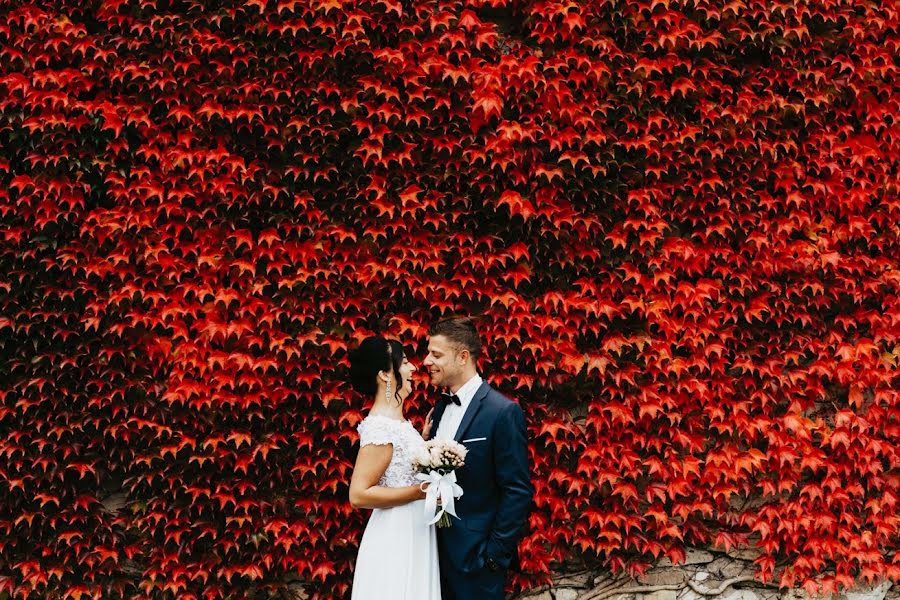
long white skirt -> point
(398, 556)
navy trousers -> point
(481, 584)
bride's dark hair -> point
(375, 354)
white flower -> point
(439, 455)
(423, 458)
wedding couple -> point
(401, 557)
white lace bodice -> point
(377, 429)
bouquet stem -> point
(444, 521)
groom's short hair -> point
(461, 332)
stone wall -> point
(703, 576)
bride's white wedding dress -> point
(398, 556)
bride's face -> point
(407, 368)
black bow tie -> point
(450, 398)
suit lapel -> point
(436, 419)
(472, 410)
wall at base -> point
(703, 576)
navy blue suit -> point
(496, 500)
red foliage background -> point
(678, 221)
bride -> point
(398, 552)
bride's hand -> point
(424, 487)
(426, 430)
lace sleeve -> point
(375, 431)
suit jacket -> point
(496, 482)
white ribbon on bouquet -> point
(443, 487)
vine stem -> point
(603, 592)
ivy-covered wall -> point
(676, 220)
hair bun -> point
(366, 362)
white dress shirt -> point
(453, 414)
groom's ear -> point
(463, 355)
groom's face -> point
(443, 362)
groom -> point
(479, 547)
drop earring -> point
(387, 390)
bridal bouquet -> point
(436, 464)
